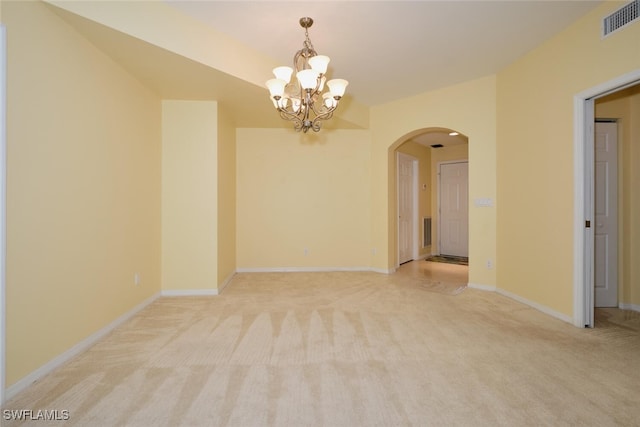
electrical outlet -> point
(489, 264)
(306, 251)
(136, 279)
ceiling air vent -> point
(621, 18)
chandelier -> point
(302, 101)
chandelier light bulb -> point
(337, 87)
(283, 102)
(276, 87)
(319, 63)
(295, 104)
(308, 79)
(329, 101)
(283, 73)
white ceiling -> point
(387, 50)
(393, 49)
(441, 137)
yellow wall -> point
(468, 108)
(423, 154)
(535, 154)
(625, 106)
(189, 195)
(226, 197)
(303, 191)
(83, 189)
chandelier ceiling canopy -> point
(302, 100)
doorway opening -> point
(589, 200)
(416, 221)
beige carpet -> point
(347, 349)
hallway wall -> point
(536, 154)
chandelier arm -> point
(296, 61)
(305, 53)
(318, 83)
(323, 109)
(291, 116)
(322, 116)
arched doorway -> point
(426, 150)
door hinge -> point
(587, 224)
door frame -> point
(415, 250)
(583, 211)
(438, 210)
(3, 204)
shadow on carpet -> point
(618, 320)
(426, 284)
(443, 288)
(449, 259)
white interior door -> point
(606, 215)
(454, 209)
(405, 208)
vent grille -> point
(426, 231)
(621, 18)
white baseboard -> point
(197, 292)
(383, 270)
(188, 292)
(80, 347)
(225, 282)
(211, 292)
(532, 304)
(543, 308)
(300, 269)
(481, 287)
(626, 306)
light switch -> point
(483, 202)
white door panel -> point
(405, 208)
(606, 216)
(454, 209)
